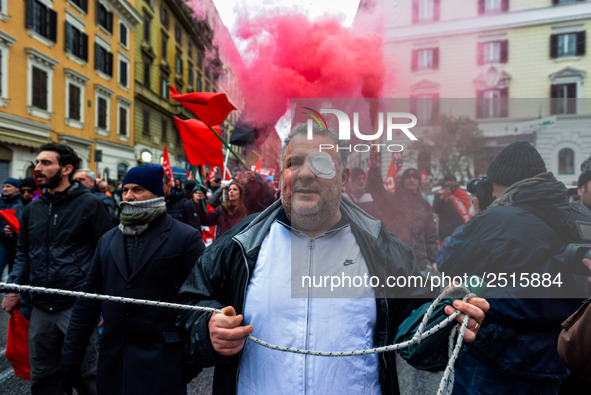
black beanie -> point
(412, 172)
(28, 182)
(149, 177)
(516, 162)
(585, 176)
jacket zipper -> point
(307, 329)
(48, 263)
(243, 306)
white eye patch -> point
(321, 164)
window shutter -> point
(504, 107)
(123, 72)
(480, 7)
(554, 46)
(554, 99)
(43, 90)
(30, 18)
(415, 11)
(504, 5)
(480, 54)
(435, 58)
(69, 37)
(479, 109)
(581, 43)
(110, 22)
(52, 25)
(84, 5)
(97, 56)
(436, 10)
(414, 60)
(84, 44)
(109, 64)
(504, 51)
(35, 87)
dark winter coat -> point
(141, 350)
(519, 335)
(8, 203)
(449, 217)
(182, 209)
(257, 194)
(220, 218)
(408, 216)
(56, 242)
(223, 272)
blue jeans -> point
(473, 376)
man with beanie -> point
(406, 213)
(584, 184)
(57, 238)
(148, 256)
(523, 233)
(10, 198)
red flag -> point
(394, 168)
(17, 345)
(424, 176)
(257, 168)
(166, 165)
(202, 147)
(189, 176)
(8, 215)
(211, 175)
(98, 175)
(211, 108)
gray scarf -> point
(506, 199)
(135, 216)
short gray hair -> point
(302, 128)
(88, 172)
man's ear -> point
(345, 177)
(67, 170)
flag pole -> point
(227, 146)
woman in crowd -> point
(231, 211)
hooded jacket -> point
(519, 334)
(57, 239)
(221, 277)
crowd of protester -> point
(100, 234)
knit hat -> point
(585, 176)
(28, 182)
(516, 162)
(149, 177)
(412, 172)
(12, 181)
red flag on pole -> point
(394, 168)
(189, 176)
(202, 147)
(257, 168)
(166, 165)
(211, 108)
(211, 175)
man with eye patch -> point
(255, 273)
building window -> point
(493, 52)
(492, 6)
(123, 118)
(102, 110)
(39, 91)
(191, 77)
(190, 50)
(82, 4)
(74, 102)
(566, 161)
(564, 98)
(104, 17)
(164, 130)
(42, 20)
(146, 123)
(123, 34)
(76, 42)
(147, 22)
(567, 44)
(164, 48)
(164, 19)
(199, 83)
(492, 103)
(199, 59)
(178, 64)
(123, 72)
(425, 11)
(164, 86)
(178, 34)
(147, 68)
(5, 42)
(555, 2)
(103, 59)
(425, 107)
(425, 59)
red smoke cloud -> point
(288, 56)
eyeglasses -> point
(31, 191)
